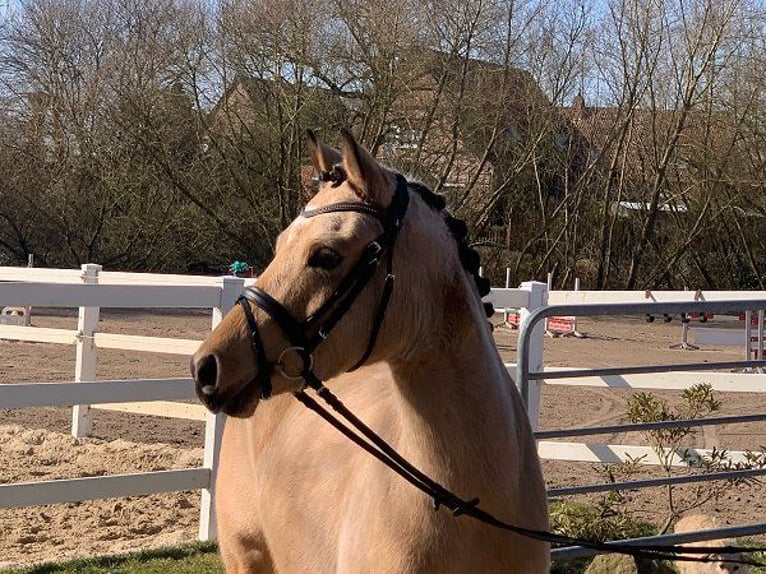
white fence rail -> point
(24, 395)
(66, 288)
(89, 488)
(124, 296)
(92, 488)
(676, 380)
(754, 382)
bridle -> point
(307, 335)
(332, 311)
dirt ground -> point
(35, 444)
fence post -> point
(575, 332)
(538, 297)
(231, 288)
(85, 365)
(28, 310)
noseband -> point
(306, 336)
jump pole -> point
(749, 334)
(575, 331)
(550, 288)
(685, 344)
(507, 310)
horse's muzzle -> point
(237, 401)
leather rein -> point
(333, 310)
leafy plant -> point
(603, 520)
(698, 401)
(610, 517)
(596, 521)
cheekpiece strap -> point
(340, 302)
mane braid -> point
(469, 257)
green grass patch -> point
(580, 565)
(198, 558)
(755, 556)
(202, 558)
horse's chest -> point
(393, 530)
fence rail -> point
(95, 487)
(683, 538)
(120, 296)
(635, 427)
(90, 289)
(24, 395)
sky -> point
(5, 6)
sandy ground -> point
(35, 445)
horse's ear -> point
(322, 157)
(370, 180)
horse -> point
(379, 278)
(721, 564)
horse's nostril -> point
(207, 390)
(207, 374)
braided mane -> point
(469, 257)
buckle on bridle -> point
(306, 358)
(336, 174)
(376, 250)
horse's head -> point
(320, 305)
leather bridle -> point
(307, 335)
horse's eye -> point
(324, 258)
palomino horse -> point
(292, 494)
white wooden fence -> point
(91, 289)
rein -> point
(333, 310)
(375, 445)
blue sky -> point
(4, 5)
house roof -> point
(648, 128)
(484, 96)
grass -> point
(198, 558)
(578, 566)
(201, 558)
(756, 556)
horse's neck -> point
(459, 417)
